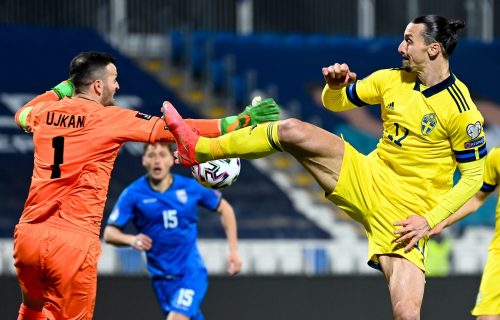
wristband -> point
(64, 89)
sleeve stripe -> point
(470, 155)
(488, 187)
(460, 96)
(479, 149)
(269, 133)
(482, 151)
(23, 117)
(455, 99)
(352, 95)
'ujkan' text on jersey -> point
(65, 120)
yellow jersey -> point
(426, 132)
(491, 180)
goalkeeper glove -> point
(64, 89)
(260, 111)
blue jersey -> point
(169, 219)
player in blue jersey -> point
(164, 209)
(405, 186)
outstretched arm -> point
(469, 207)
(226, 212)
(259, 111)
(116, 237)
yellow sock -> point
(247, 143)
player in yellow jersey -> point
(404, 187)
(488, 299)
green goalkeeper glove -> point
(260, 111)
(64, 89)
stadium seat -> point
(108, 260)
(6, 257)
(316, 260)
(291, 259)
(265, 260)
(213, 253)
(246, 256)
(465, 256)
(342, 259)
(360, 255)
(130, 261)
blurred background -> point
(301, 254)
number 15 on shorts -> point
(185, 298)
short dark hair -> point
(87, 67)
(170, 146)
(441, 30)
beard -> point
(406, 65)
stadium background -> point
(301, 256)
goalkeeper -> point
(77, 133)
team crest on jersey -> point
(474, 129)
(182, 195)
(428, 123)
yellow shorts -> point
(488, 298)
(362, 195)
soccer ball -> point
(217, 174)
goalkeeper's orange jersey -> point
(76, 142)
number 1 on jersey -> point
(58, 145)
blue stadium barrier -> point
(270, 54)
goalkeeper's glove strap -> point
(64, 89)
